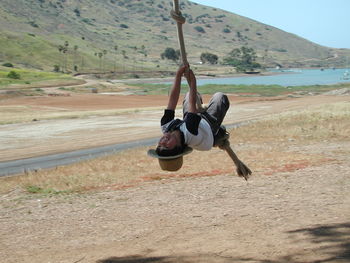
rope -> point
(178, 17)
(180, 20)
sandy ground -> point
(300, 216)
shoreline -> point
(198, 75)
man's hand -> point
(191, 79)
(192, 98)
(243, 170)
(182, 70)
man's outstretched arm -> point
(241, 168)
(176, 88)
(192, 100)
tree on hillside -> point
(170, 54)
(209, 58)
(243, 59)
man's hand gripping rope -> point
(192, 83)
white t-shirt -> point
(196, 130)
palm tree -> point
(75, 58)
(60, 49)
(124, 57)
(115, 62)
(65, 51)
(100, 55)
(104, 54)
(144, 52)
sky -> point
(325, 22)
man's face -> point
(168, 140)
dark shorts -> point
(216, 111)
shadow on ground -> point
(329, 243)
(332, 242)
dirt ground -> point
(298, 216)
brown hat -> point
(170, 163)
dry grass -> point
(268, 147)
(20, 114)
(324, 122)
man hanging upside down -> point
(200, 129)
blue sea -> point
(292, 77)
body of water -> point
(295, 77)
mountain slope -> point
(111, 34)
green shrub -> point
(56, 68)
(171, 54)
(87, 21)
(200, 29)
(7, 64)
(135, 76)
(209, 58)
(77, 12)
(13, 75)
(33, 24)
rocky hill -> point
(115, 34)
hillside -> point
(131, 34)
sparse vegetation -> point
(39, 78)
(33, 189)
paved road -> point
(53, 160)
(43, 162)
